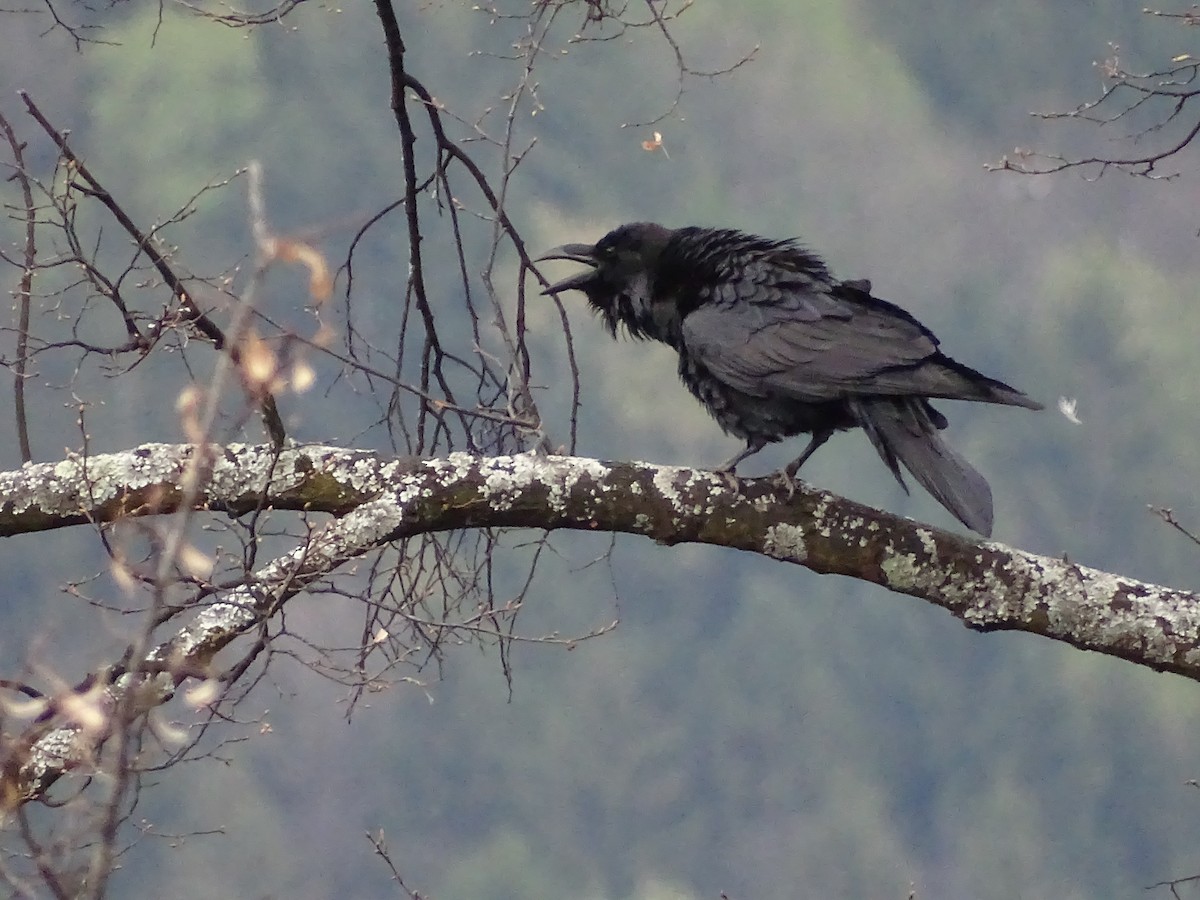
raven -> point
(774, 346)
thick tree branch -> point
(987, 585)
(377, 500)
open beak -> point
(580, 253)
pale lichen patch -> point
(928, 542)
(901, 571)
(410, 492)
(821, 508)
(562, 476)
(390, 470)
(785, 542)
(664, 483)
(459, 465)
(502, 481)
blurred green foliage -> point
(749, 729)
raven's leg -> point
(752, 446)
(818, 438)
(788, 475)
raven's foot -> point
(786, 478)
(787, 475)
(731, 479)
(726, 468)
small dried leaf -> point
(320, 282)
(167, 733)
(26, 708)
(656, 144)
(194, 562)
(204, 694)
(188, 407)
(87, 710)
(324, 336)
(258, 361)
(188, 400)
(123, 576)
(303, 377)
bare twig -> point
(1168, 95)
(191, 311)
(24, 288)
(1168, 516)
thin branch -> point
(1166, 94)
(239, 19)
(193, 314)
(24, 289)
(1168, 516)
(432, 361)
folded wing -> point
(816, 344)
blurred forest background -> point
(748, 729)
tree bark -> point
(375, 500)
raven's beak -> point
(581, 253)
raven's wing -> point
(816, 343)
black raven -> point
(774, 345)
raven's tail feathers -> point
(905, 430)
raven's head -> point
(619, 282)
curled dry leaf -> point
(88, 710)
(204, 694)
(656, 144)
(324, 336)
(303, 377)
(194, 562)
(320, 282)
(258, 361)
(187, 404)
(122, 575)
(188, 400)
(25, 708)
(168, 733)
